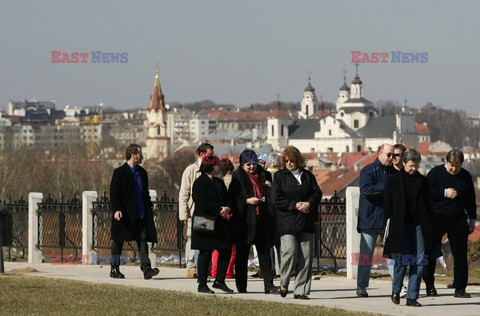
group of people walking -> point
(413, 212)
(257, 208)
(227, 211)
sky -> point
(239, 52)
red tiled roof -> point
(320, 114)
(225, 115)
(349, 159)
(422, 128)
(337, 180)
(309, 156)
(370, 159)
(424, 148)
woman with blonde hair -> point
(296, 195)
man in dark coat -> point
(454, 214)
(132, 212)
(373, 179)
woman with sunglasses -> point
(252, 221)
(296, 195)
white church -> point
(356, 125)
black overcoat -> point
(209, 195)
(245, 227)
(395, 204)
(123, 197)
(286, 192)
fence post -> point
(87, 226)
(353, 237)
(151, 254)
(34, 253)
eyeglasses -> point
(288, 160)
(389, 155)
(396, 155)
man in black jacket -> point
(455, 214)
(132, 212)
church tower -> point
(158, 143)
(343, 93)
(309, 100)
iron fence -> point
(14, 221)
(60, 227)
(165, 216)
(331, 230)
(60, 224)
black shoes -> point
(222, 286)
(431, 290)
(149, 273)
(271, 289)
(362, 292)
(300, 297)
(116, 274)
(283, 292)
(413, 302)
(462, 294)
(395, 298)
(205, 289)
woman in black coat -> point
(252, 220)
(210, 196)
(408, 206)
(296, 195)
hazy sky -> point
(239, 52)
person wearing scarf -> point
(409, 207)
(252, 221)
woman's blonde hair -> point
(294, 154)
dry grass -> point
(29, 295)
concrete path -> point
(328, 291)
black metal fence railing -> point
(169, 227)
(331, 230)
(60, 225)
(14, 221)
(165, 215)
(102, 224)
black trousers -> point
(457, 231)
(203, 264)
(241, 265)
(141, 238)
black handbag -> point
(203, 223)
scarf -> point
(258, 191)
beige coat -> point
(185, 200)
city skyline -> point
(238, 52)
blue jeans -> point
(368, 240)
(414, 256)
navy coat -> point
(373, 180)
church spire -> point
(157, 99)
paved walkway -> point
(328, 291)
